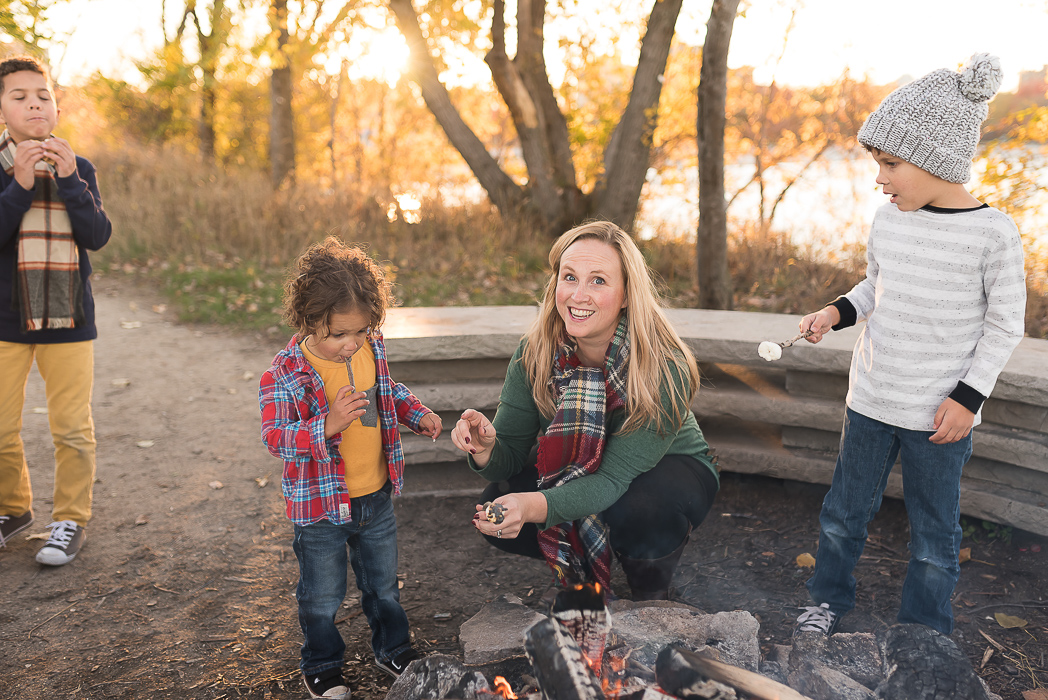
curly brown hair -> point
(16, 64)
(331, 277)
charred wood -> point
(684, 673)
(559, 665)
(921, 664)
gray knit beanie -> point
(934, 122)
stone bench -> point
(779, 419)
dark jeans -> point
(931, 481)
(660, 507)
(322, 559)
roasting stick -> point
(739, 678)
(772, 351)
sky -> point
(885, 40)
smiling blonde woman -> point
(594, 451)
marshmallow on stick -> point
(772, 351)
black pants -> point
(649, 521)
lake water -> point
(829, 207)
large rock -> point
(437, 677)
(857, 655)
(646, 628)
(496, 632)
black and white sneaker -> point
(398, 663)
(326, 684)
(11, 525)
(817, 619)
(62, 546)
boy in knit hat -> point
(943, 300)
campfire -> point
(576, 653)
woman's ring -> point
(499, 534)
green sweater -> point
(518, 424)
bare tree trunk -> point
(531, 16)
(281, 120)
(505, 194)
(526, 115)
(711, 245)
(629, 151)
(342, 77)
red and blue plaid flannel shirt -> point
(291, 398)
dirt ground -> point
(185, 587)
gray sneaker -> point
(11, 525)
(62, 546)
(817, 619)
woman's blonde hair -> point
(654, 345)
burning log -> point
(583, 612)
(560, 667)
(684, 673)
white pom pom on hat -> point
(935, 121)
(981, 77)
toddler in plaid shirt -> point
(331, 411)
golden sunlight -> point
(376, 53)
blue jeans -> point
(321, 551)
(931, 478)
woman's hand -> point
(474, 434)
(518, 509)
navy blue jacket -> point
(91, 231)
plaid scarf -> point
(48, 291)
(579, 552)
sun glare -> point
(377, 53)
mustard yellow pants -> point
(68, 373)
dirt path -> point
(185, 586)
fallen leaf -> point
(986, 657)
(247, 376)
(805, 561)
(1009, 621)
(122, 382)
(1036, 694)
(38, 536)
(767, 554)
(965, 555)
(262, 480)
(40, 409)
(130, 324)
(231, 390)
(216, 484)
(145, 443)
(159, 308)
(142, 520)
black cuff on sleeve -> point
(847, 312)
(967, 397)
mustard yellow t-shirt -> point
(361, 448)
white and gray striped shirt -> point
(944, 301)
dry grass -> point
(219, 241)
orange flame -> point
(612, 683)
(502, 687)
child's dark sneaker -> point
(326, 684)
(62, 546)
(11, 525)
(398, 663)
(817, 619)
